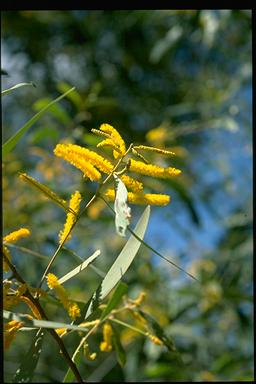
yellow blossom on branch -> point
(16, 235)
(134, 185)
(139, 198)
(70, 306)
(106, 345)
(154, 339)
(74, 206)
(12, 238)
(116, 138)
(67, 153)
(109, 143)
(10, 332)
(153, 170)
(154, 149)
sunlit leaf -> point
(80, 268)
(45, 190)
(40, 323)
(124, 259)
(9, 90)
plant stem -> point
(63, 349)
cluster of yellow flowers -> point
(12, 238)
(71, 307)
(92, 164)
(74, 206)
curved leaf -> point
(122, 262)
(9, 90)
(12, 141)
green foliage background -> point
(187, 71)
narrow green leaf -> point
(12, 141)
(56, 110)
(45, 190)
(158, 330)
(120, 290)
(120, 352)
(25, 372)
(123, 260)
(70, 377)
(74, 96)
(9, 90)
(40, 323)
(77, 257)
(80, 267)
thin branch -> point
(63, 349)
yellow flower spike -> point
(73, 310)
(134, 185)
(70, 306)
(10, 332)
(158, 135)
(154, 149)
(92, 157)
(106, 345)
(109, 143)
(16, 235)
(153, 170)
(138, 317)
(154, 339)
(100, 133)
(95, 209)
(147, 198)
(62, 150)
(52, 281)
(139, 299)
(74, 205)
(117, 138)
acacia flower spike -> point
(139, 198)
(153, 170)
(68, 154)
(154, 149)
(16, 235)
(117, 139)
(139, 155)
(74, 206)
(109, 143)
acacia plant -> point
(112, 174)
